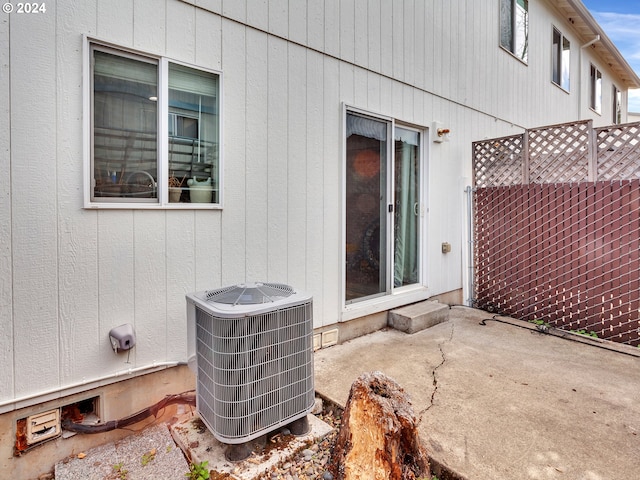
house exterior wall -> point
(71, 274)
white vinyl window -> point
(514, 27)
(595, 89)
(153, 132)
(561, 59)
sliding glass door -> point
(382, 207)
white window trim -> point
(163, 129)
(398, 296)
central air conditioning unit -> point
(252, 349)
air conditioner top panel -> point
(248, 299)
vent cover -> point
(253, 351)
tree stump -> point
(378, 439)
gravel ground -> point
(312, 462)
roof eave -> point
(605, 48)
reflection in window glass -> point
(561, 56)
(125, 113)
(595, 89)
(514, 27)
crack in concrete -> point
(435, 369)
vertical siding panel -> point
(360, 34)
(296, 167)
(447, 69)
(116, 271)
(315, 185)
(149, 25)
(211, 5)
(374, 30)
(429, 48)
(409, 48)
(78, 243)
(258, 14)
(277, 153)
(397, 40)
(347, 83)
(361, 87)
(374, 93)
(235, 205)
(419, 44)
(331, 291)
(181, 31)
(347, 22)
(315, 24)
(332, 28)
(187, 271)
(34, 225)
(115, 20)
(386, 38)
(208, 40)
(6, 245)
(279, 17)
(235, 9)
(386, 95)
(150, 291)
(207, 234)
(256, 156)
(298, 22)
(436, 46)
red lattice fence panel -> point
(566, 254)
(557, 227)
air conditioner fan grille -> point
(250, 293)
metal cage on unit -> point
(251, 347)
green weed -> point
(198, 471)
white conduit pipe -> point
(110, 376)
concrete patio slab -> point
(504, 401)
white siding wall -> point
(69, 275)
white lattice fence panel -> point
(619, 151)
(498, 161)
(559, 153)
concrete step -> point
(416, 317)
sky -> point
(620, 20)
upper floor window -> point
(514, 27)
(595, 89)
(154, 131)
(561, 58)
(617, 105)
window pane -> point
(566, 63)
(125, 113)
(193, 135)
(506, 24)
(556, 57)
(522, 30)
(514, 27)
(366, 207)
(406, 207)
(596, 89)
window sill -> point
(151, 206)
(561, 87)
(511, 54)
